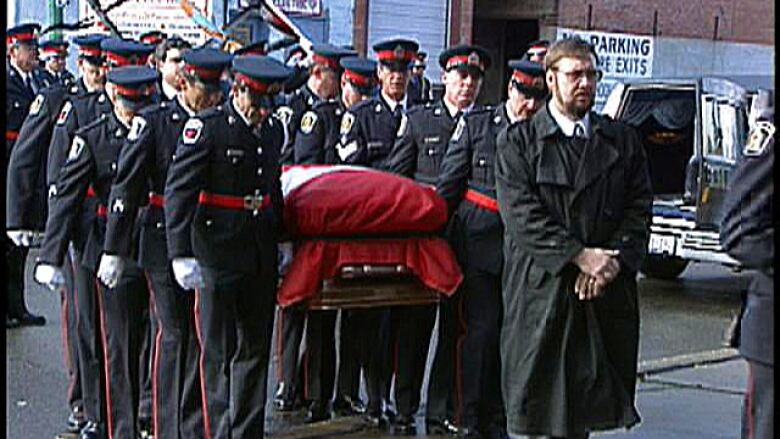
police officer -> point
(140, 179)
(747, 235)
(75, 113)
(422, 141)
(91, 162)
(368, 130)
(315, 144)
(153, 38)
(27, 198)
(536, 51)
(467, 183)
(23, 81)
(53, 54)
(419, 89)
(223, 212)
(322, 85)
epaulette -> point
(154, 108)
(103, 119)
(480, 112)
(325, 103)
(417, 109)
(368, 103)
(210, 112)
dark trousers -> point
(319, 361)
(478, 361)
(441, 383)
(146, 362)
(69, 329)
(374, 333)
(15, 260)
(412, 326)
(89, 341)
(234, 315)
(759, 405)
(177, 405)
(123, 331)
(351, 351)
(293, 320)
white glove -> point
(110, 269)
(285, 250)
(49, 276)
(21, 238)
(187, 273)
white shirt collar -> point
(453, 110)
(241, 114)
(509, 114)
(183, 104)
(22, 74)
(566, 124)
(168, 90)
(393, 103)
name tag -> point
(372, 145)
(435, 139)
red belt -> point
(102, 210)
(249, 202)
(481, 200)
(11, 135)
(156, 200)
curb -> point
(652, 367)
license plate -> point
(661, 245)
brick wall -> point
(744, 21)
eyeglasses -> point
(576, 75)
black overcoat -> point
(569, 366)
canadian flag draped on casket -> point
(340, 216)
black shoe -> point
(376, 419)
(403, 426)
(11, 322)
(348, 406)
(445, 426)
(469, 433)
(30, 319)
(92, 430)
(76, 420)
(283, 398)
(318, 411)
(145, 429)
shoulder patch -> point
(308, 122)
(458, 130)
(284, 113)
(75, 148)
(402, 125)
(191, 132)
(64, 112)
(346, 122)
(138, 124)
(36, 105)
(759, 139)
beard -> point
(574, 108)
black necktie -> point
(28, 83)
(397, 113)
(579, 131)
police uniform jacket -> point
(26, 202)
(219, 155)
(140, 181)
(76, 112)
(91, 161)
(571, 364)
(419, 90)
(422, 140)
(469, 164)
(18, 98)
(747, 235)
(315, 141)
(368, 132)
(63, 78)
(298, 103)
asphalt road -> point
(690, 387)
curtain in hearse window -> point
(710, 126)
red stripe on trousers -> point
(65, 338)
(156, 357)
(203, 396)
(106, 366)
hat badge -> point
(274, 88)
(473, 58)
(398, 52)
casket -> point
(364, 238)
